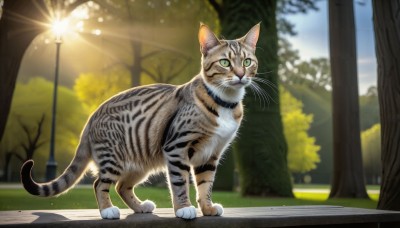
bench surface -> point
(291, 216)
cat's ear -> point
(251, 37)
(207, 39)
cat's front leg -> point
(205, 175)
(178, 176)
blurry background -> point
(110, 46)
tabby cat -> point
(146, 129)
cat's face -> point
(228, 64)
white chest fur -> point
(227, 125)
(220, 140)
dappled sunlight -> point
(315, 196)
(106, 47)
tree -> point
(371, 151)
(289, 58)
(29, 147)
(302, 151)
(369, 108)
(16, 25)
(251, 154)
(138, 50)
(262, 164)
(21, 22)
(348, 176)
(31, 101)
(314, 73)
(387, 36)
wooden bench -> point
(293, 216)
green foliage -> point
(150, 39)
(371, 151)
(286, 7)
(310, 81)
(302, 151)
(317, 102)
(369, 109)
(314, 73)
(92, 89)
(30, 102)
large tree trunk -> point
(348, 177)
(387, 37)
(19, 25)
(261, 150)
(136, 67)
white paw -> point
(110, 213)
(147, 206)
(220, 209)
(186, 213)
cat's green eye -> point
(224, 62)
(247, 62)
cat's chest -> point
(222, 136)
(227, 125)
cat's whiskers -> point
(261, 93)
(267, 82)
(257, 95)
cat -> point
(146, 129)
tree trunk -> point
(261, 150)
(387, 38)
(348, 177)
(17, 30)
(136, 67)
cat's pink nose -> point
(239, 73)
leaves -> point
(302, 152)
(371, 151)
(315, 73)
(93, 89)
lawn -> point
(83, 198)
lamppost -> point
(51, 167)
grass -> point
(83, 198)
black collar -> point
(218, 100)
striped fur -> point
(181, 129)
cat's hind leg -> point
(101, 188)
(125, 188)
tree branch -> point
(38, 132)
(151, 75)
(151, 54)
(178, 71)
(16, 155)
(26, 130)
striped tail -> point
(68, 179)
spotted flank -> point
(182, 130)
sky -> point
(312, 39)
